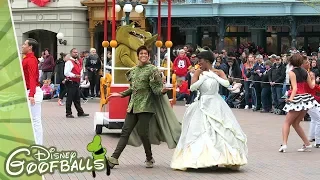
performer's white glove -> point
(195, 86)
(220, 80)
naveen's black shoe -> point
(69, 116)
(83, 115)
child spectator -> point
(184, 92)
(47, 89)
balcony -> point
(186, 1)
(231, 8)
(228, 1)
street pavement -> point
(264, 139)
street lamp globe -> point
(139, 8)
(117, 8)
(127, 7)
(60, 35)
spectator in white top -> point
(84, 86)
(234, 92)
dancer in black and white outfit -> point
(298, 103)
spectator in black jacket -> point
(266, 97)
(93, 65)
(59, 76)
(232, 71)
(314, 68)
(256, 73)
(276, 79)
(220, 65)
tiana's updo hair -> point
(206, 55)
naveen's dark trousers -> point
(142, 120)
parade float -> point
(125, 41)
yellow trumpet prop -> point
(105, 85)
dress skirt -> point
(210, 136)
(301, 102)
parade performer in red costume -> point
(299, 102)
(34, 92)
(314, 128)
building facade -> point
(220, 24)
(226, 24)
(68, 17)
(96, 14)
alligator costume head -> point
(134, 37)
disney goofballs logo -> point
(44, 160)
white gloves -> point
(220, 80)
(195, 86)
(206, 75)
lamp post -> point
(169, 43)
(60, 37)
(105, 42)
(127, 7)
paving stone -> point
(264, 139)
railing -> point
(187, 1)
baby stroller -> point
(278, 109)
(239, 102)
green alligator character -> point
(129, 39)
(98, 152)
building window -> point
(237, 29)
(230, 44)
(277, 29)
(307, 28)
(285, 45)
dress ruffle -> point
(301, 102)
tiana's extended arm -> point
(223, 82)
(221, 78)
(195, 86)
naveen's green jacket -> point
(146, 96)
(145, 82)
